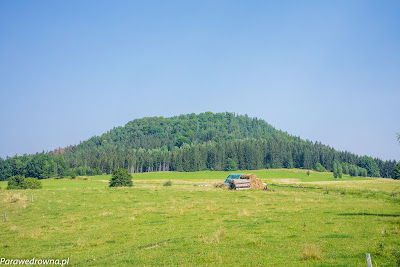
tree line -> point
(244, 154)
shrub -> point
(15, 182)
(10, 187)
(31, 183)
(71, 174)
(168, 183)
(319, 168)
(20, 182)
(308, 173)
(121, 177)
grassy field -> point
(188, 225)
(267, 175)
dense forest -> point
(207, 141)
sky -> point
(326, 71)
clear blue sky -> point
(326, 71)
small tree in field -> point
(121, 177)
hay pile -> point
(248, 176)
(254, 181)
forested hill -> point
(207, 141)
(167, 133)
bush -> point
(71, 174)
(20, 182)
(121, 177)
(15, 182)
(168, 183)
(31, 183)
(319, 168)
(11, 187)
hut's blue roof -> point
(233, 176)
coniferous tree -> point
(121, 177)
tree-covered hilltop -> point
(167, 133)
(193, 142)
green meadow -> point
(301, 220)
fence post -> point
(31, 198)
(369, 260)
(5, 217)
